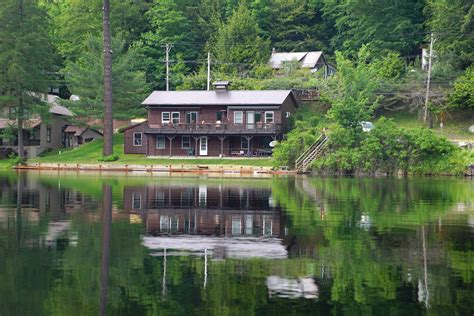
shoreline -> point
(155, 168)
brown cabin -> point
(212, 123)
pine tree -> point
(25, 60)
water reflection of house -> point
(205, 210)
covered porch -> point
(209, 145)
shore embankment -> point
(152, 168)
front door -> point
(250, 120)
(203, 146)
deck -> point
(215, 129)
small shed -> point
(75, 135)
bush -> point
(109, 158)
(390, 149)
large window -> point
(160, 142)
(137, 139)
(185, 142)
(238, 117)
(165, 117)
(269, 117)
(48, 134)
(175, 117)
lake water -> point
(131, 245)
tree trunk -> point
(19, 113)
(108, 118)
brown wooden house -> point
(212, 123)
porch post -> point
(222, 138)
(171, 143)
(196, 145)
(248, 138)
(145, 142)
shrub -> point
(109, 158)
(390, 149)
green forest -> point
(375, 45)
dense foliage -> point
(390, 149)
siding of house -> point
(129, 148)
(57, 124)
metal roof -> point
(238, 97)
(306, 59)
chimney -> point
(221, 86)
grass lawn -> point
(91, 153)
(455, 126)
(6, 164)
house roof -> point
(56, 108)
(306, 59)
(239, 97)
(78, 131)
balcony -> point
(215, 129)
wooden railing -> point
(215, 128)
(310, 154)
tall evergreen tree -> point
(85, 79)
(239, 45)
(25, 60)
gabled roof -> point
(78, 131)
(198, 98)
(56, 108)
(306, 59)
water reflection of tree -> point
(361, 267)
(382, 239)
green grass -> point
(455, 126)
(6, 164)
(91, 153)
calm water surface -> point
(84, 244)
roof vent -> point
(221, 86)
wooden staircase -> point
(313, 152)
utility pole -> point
(427, 96)
(208, 71)
(167, 51)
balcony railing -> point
(214, 128)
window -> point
(136, 200)
(288, 114)
(165, 117)
(185, 142)
(175, 117)
(160, 142)
(219, 116)
(238, 117)
(269, 117)
(191, 117)
(244, 143)
(48, 134)
(160, 199)
(137, 139)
